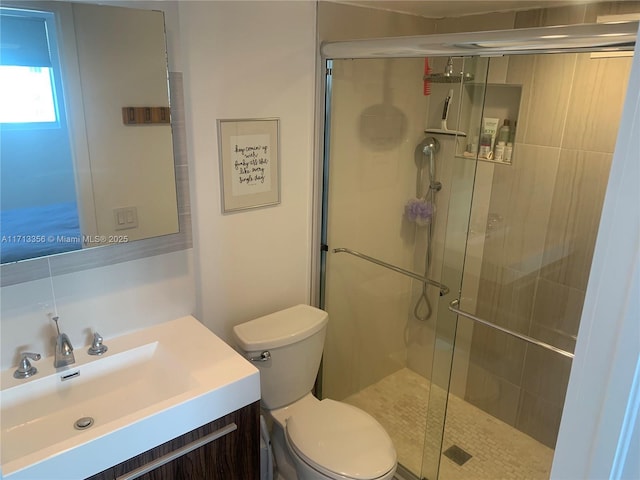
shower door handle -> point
(444, 290)
(453, 307)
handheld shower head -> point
(425, 158)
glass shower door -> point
(533, 227)
(397, 214)
(455, 286)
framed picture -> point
(249, 153)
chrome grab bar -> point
(453, 306)
(443, 288)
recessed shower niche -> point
(477, 104)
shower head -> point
(449, 76)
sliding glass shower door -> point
(397, 210)
(461, 211)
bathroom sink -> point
(43, 411)
(149, 387)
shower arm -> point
(443, 288)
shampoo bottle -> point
(504, 133)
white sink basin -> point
(149, 387)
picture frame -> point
(249, 156)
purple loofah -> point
(419, 211)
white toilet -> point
(312, 439)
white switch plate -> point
(125, 218)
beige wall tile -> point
(546, 374)
(520, 72)
(596, 103)
(490, 274)
(610, 8)
(556, 313)
(529, 18)
(566, 15)
(550, 89)
(476, 23)
(492, 394)
(506, 301)
(499, 67)
(497, 353)
(521, 196)
(539, 419)
(577, 202)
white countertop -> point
(212, 380)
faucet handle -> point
(25, 369)
(97, 347)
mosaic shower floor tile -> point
(498, 451)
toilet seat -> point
(340, 441)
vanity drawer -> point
(225, 449)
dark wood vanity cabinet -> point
(230, 451)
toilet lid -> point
(334, 437)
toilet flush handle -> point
(264, 357)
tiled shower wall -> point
(546, 210)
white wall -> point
(249, 60)
(112, 300)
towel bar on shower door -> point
(453, 307)
(443, 288)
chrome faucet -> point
(64, 350)
(25, 369)
(97, 347)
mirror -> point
(86, 153)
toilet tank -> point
(294, 339)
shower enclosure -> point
(454, 273)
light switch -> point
(125, 218)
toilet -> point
(312, 439)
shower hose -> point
(430, 146)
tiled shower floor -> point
(499, 451)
